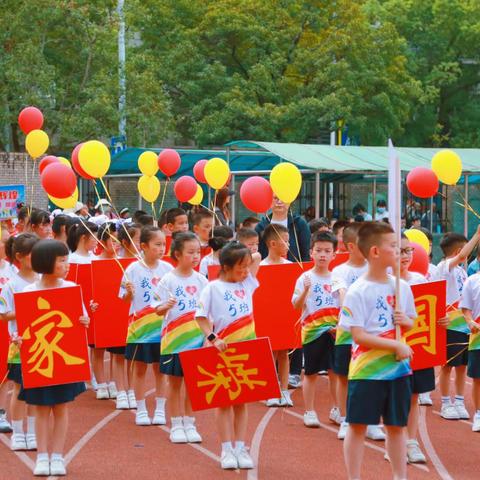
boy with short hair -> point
(317, 294)
(250, 222)
(379, 384)
(176, 220)
(456, 249)
(202, 224)
(338, 229)
(249, 238)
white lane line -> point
(427, 443)
(22, 456)
(257, 441)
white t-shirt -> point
(266, 261)
(7, 271)
(75, 257)
(471, 295)
(206, 262)
(281, 222)
(432, 274)
(455, 278)
(414, 278)
(348, 274)
(146, 283)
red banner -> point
(54, 348)
(4, 343)
(243, 373)
(427, 340)
(111, 315)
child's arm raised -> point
(361, 337)
(465, 251)
(255, 265)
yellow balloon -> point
(64, 203)
(216, 173)
(419, 237)
(286, 181)
(198, 197)
(147, 163)
(447, 165)
(94, 158)
(65, 162)
(149, 188)
(36, 143)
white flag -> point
(394, 190)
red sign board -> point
(54, 345)
(4, 343)
(243, 373)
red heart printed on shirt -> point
(191, 289)
(239, 293)
(327, 288)
(391, 300)
(155, 281)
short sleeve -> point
(351, 313)
(204, 267)
(467, 296)
(299, 287)
(251, 283)
(203, 306)
(126, 275)
(6, 299)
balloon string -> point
(214, 213)
(153, 211)
(31, 195)
(163, 195)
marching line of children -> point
(348, 322)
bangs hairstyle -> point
(173, 213)
(350, 232)
(326, 237)
(200, 215)
(147, 233)
(77, 231)
(126, 231)
(246, 233)
(61, 221)
(39, 217)
(22, 245)
(106, 230)
(221, 236)
(273, 232)
(232, 254)
(178, 242)
(250, 222)
(45, 254)
(452, 241)
(370, 235)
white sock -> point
(17, 426)
(56, 456)
(477, 413)
(227, 446)
(160, 403)
(141, 407)
(111, 384)
(239, 444)
(121, 393)
(101, 385)
(42, 456)
(131, 392)
(177, 421)
(342, 419)
(31, 425)
(460, 399)
(188, 420)
(446, 400)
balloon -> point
(286, 181)
(198, 171)
(64, 203)
(447, 165)
(198, 197)
(216, 173)
(94, 158)
(147, 163)
(169, 162)
(30, 118)
(256, 194)
(149, 188)
(36, 143)
(65, 162)
(47, 161)
(58, 180)
(420, 259)
(76, 163)
(422, 182)
(185, 188)
(418, 237)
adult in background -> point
(360, 211)
(222, 210)
(299, 249)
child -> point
(276, 239)
(238, 271)
(180, 332)
(50, 258)
(176, 220)
(202, 227)
(470, 305)
(249, 238)
(221, 236)
(20, 252)
(82, 243)
(337, 230)
(140, 285)
(318, 296)
(379, 383)
(60, 226)
(39, 224)
(250, 222)
(456, 250)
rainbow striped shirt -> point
(181, 334)
(318, 323)
(241, 329)
(145, 326)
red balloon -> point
(198, 171)
(30, 118)
(47, 161)
(58, 180)
(169, 162)
(76, 164)
(185, 188)
(256, 194)
(420, 261)
(422, 182)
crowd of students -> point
(348, 324)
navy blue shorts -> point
(341, 359)
(457, 348)
(143, 352)
(15, 373)
(116, 350)
(423, 381)
(473, 370)
(371, 400)
(170, 365)
(318, 355)
(49, 396)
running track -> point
(104, 441)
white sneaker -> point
(425, 399)
(177, 434)
(5, 426)
(142, 418)
(31, 439)
(342, 431)
(159, 417)
(57, 467)
(122, 401)
(462, 411)
(273, 402)
(228, 460)
(18, 442)
(286, 399)
(132, 401)
(191, 431)
(112, 390)
(243, 458)
(449, 412)
(102, 393)
(310, 419)
(335, 416)
(414, 454)
(42, 468)
(476, 423)
(375, 432)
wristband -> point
(212, 337)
